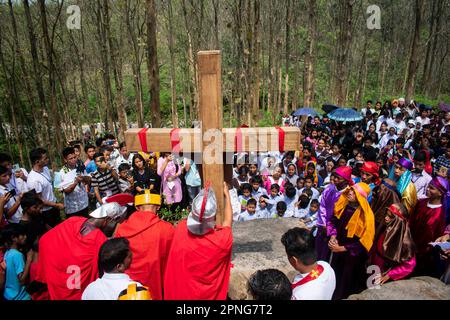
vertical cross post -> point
(210, 114)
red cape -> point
(199, 266)
(150, 240)
(63, 252)
(426, 225)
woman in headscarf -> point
(394, 248)
(352, 234)
(310, 170)
(383, 196)
(370, 175)
(401, 174)
(428, 223)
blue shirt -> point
(91, 167)
(15, 265)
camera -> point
(12, 192)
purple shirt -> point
(337, 227)
(326, 210)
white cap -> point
(412, 122)
(401, 99)
(112, 210)
(208, 220)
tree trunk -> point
(152, 64)
(414, 57)
(308, 75)
(137, 78)
(37, 75)
(51, 78)
(287, 56)
(344, 42)
(105, 61)
(172, 66)
(362, 68)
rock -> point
(257, 246)
(420, 288)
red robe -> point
(199, 266)
(150, 240)
(426, 224)
(64, 253)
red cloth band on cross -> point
(205, 197)
(142, 135)
(175, 140)
(238, 140)
(280, 139)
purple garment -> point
(175, 194)
(326, 210)
(337, 228)
(348, 265)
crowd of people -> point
(368, 193)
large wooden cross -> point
(206, 142)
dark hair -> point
(3, 169)
(251, 201)
(369, 101)
(87, 147)
(97, 155)
(243, 170)
(246, 186)
(299, 243)
(123, 167)
(110, 136)
(103, 149)
(290, 191)
(315, 202)
(11, 231)
(300, 179)
(99, 142)
(122, 144)
(269, 284)
(137, 156)
(281, 206)
(30, 199)
(68, 151)
(420, 156)
(309, 177)
(113, 252)
(4, 157)
(256, 179)
(275, 186)
(36, 155)
(400, 141)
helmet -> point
(133, 292)
(147, 198)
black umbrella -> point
(329, 107)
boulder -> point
(420, 288)
(257, 246)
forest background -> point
(67, 65)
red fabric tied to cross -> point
(175, 140)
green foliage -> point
(269, 119)
(172, 216)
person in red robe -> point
(150, 240)
(427, 224)
(68, 253)
(199, 261)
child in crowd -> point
(126, 181)
(310, 219)
(275, 179)
(291, 175)
(246, 190)
(257, 190)
(262, 209)
(250, 213)
(290, 198)
(281, 209)
(17, 268)
(274, 198)
(302, 207)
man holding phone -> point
(12, 209)
(74, 185)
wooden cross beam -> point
(200, 141)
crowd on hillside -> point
(367, 193)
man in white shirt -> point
(114, 258)
(40, 180)
(368, 108)
(74, 182)
(385, 139)
(419, 177)
(423, 118)
(12, 209)
(316, 279)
